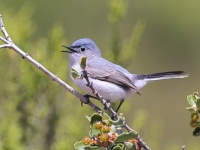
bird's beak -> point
(70, 49)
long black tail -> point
(162, 75)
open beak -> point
(70, 49)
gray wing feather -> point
(107, 71)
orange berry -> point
(86, 140)
(103, 137)
(98, 125)
(105, 129)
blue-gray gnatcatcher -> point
(111, 81)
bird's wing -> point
(104, 70)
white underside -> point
(109, 91)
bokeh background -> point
(143, 36)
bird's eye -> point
(82, 49)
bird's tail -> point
(162, 75)
(142, 79)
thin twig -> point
(9, 44)
(3, 30)
(142, 143)
(4, 46)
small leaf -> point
(80, 146)
(191, 100)
(94, 131)
(95, 148)
(90, 134)
(129, 146)
(105, 116)
(198, 104)
(74, 74)
(88, 118)
(119, 122)
(94, 118)
(126, 136)
(191, 109)
(83, 62)
(118, 146)
(113, 128)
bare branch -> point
(3, 30)
(9, 44)
(142, 143)
(4, 46)
(4, 40)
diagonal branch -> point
(9, 44)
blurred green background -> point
(143, 36)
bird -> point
(110, 80)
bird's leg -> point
(88, 96)
(120, 104)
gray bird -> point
(111, 81)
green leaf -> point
(94, 118)
(119, 122)
(191, 100)
(113, 128)
(95, 148)
(80, 146)
(94, 131)
(74, 74)
(126, 136)
(83, 62)
(118, 146)
(111, 146)
(198, 104)
(129, 146)
(191, 109)
(88, 118)
(90, 134)
(105, 116)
